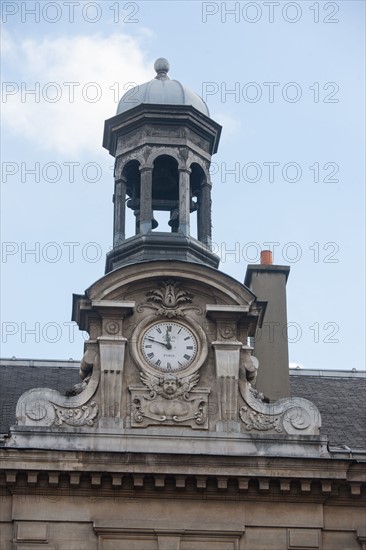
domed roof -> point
(161, 90)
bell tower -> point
(162, 139)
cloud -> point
(78, 82)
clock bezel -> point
(144, 326)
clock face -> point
(169, 346)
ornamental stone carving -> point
(227, 331)
(33, 410)
(112, 327)
(249, 365)
(291, 415)
(43, 407)
(80, 416)
(169, 400)
(169, 300)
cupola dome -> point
(162, 91)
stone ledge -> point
(165, 440)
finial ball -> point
(161, 65)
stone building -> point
(175, 439)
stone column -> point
(184, 200)
(146, 213)
(204, 213)
(119, 199)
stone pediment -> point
(167, 357)
(116, 283)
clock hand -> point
(157, 342)
(167, 338)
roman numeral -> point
(168, 366)
(148, 346)
(189, 347)
(150, 355)
(186, 356)
(158, 363)
(169, 328)
(187, 338)
(158, 329)
(179, 331)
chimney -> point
(268, 283)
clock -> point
(165, 345)
(169, 346)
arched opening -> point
(132, 178)
(199, 198)
(165, 193)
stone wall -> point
(100, 501)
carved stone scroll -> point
(46, 407)
(292, 415)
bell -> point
(165, 179)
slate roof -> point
(17, 377)
(339, 395)
(341, 401)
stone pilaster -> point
(227, 362)
(112, 346)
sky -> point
(284, 79)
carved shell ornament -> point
(169, 300)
